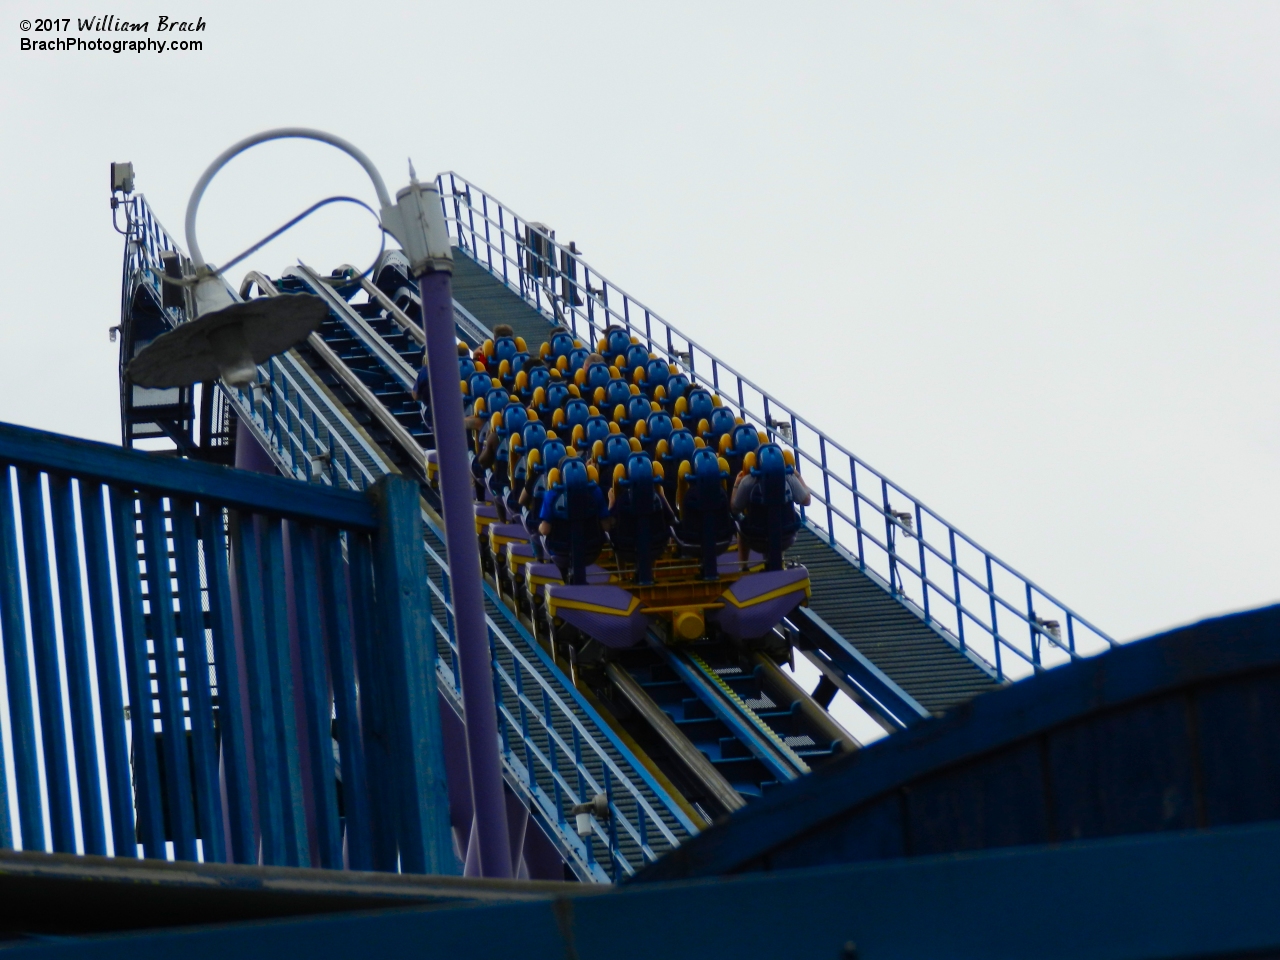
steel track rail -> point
(359, 389)
(702, 769)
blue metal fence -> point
(975, 599)
(556, 751)
(181, 655)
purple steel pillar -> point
(249, 453)
(474, 667)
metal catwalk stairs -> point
(669, 678)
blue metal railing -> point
(145, 241)
(556, 751)
(201, 622)
(981, 604)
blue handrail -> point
(204, 619)
(953, 583)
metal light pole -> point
(416, 220)
(421, 231)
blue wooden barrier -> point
(1178, 896)
(198, 663)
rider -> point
(421, 391)
(744, 504)
(572, 515)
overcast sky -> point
(1020, 257)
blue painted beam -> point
(1182, 895)
(278, 643)
(13, 628)
(246, 551)
(314, 677)
(375, 714)
(142, 716)
(75, 649)
(341, 656)
(110, 691)
(201, 481)
(242, 844)
(204, 741)
(44, 645)
(409, 670)
(173, 738)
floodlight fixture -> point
(122, 178)
(227, 343)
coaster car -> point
(614, 451)
(573, 510)
(672, 392)
(743, 439)
(635, 410)
(527, 381)
(560, 345)
(639, 507)
(547, 400)
(769, 522)
(614, 393)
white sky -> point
(1019, 257)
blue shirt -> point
(422, 386)
(549, 502)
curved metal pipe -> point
(279, 133)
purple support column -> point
(474, 668)
(249, 453)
